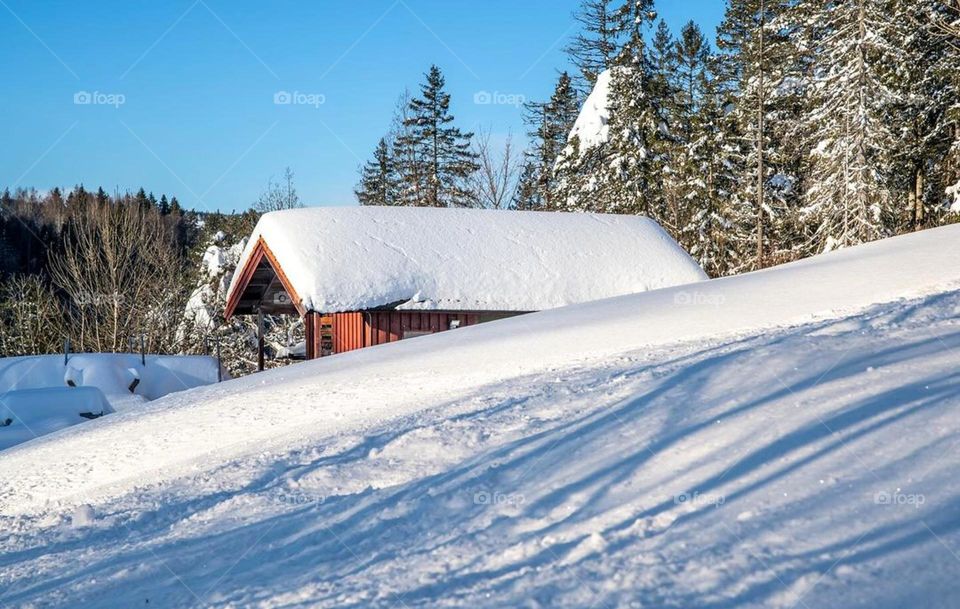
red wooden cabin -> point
(367, 276)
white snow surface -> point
(592, 124)
(355, 258)
(785, 438)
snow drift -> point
(356, 258)
(777, 439)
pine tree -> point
(668, 149)
(925, 88)
(594, 49)
(763, 74)
(847, 131)
(175, 209)
(164, 205)
(528, 196)
(379, 182)
(635, 120)
(550, 124)
(407, 155)
(689, 126)
(141, 199)
(77, 197)
(445, 150)
(101, 196)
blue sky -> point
(181, 94)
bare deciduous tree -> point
(121, 274)
(494, 184)
(278, 197)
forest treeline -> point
(809, 126)
(102, 271)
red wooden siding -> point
(356, 330)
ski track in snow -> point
(803, 467)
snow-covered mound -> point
(356, 258)
(778, 439)
(40, 394)
(30, 413)
(592, 125)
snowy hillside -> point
(777, 439)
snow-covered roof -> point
(357, 258)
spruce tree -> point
(849, 199)
(445, 150)
(164, 206)
(141, 200)
(689, 126)
(668, 149)
(762, 70)
(635, 120)
(550, 124)
(594, 49)
(926, 98)
(528, 196)
(379, 182)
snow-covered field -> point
(780, 439)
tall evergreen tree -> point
(550, 124)
(594, 49)
(689, 125)
(847, 129)
(667, 149)
(927, 94)
(164, 206)
(635, 119)
(379, 181)
(762, 69)
(445, 150)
